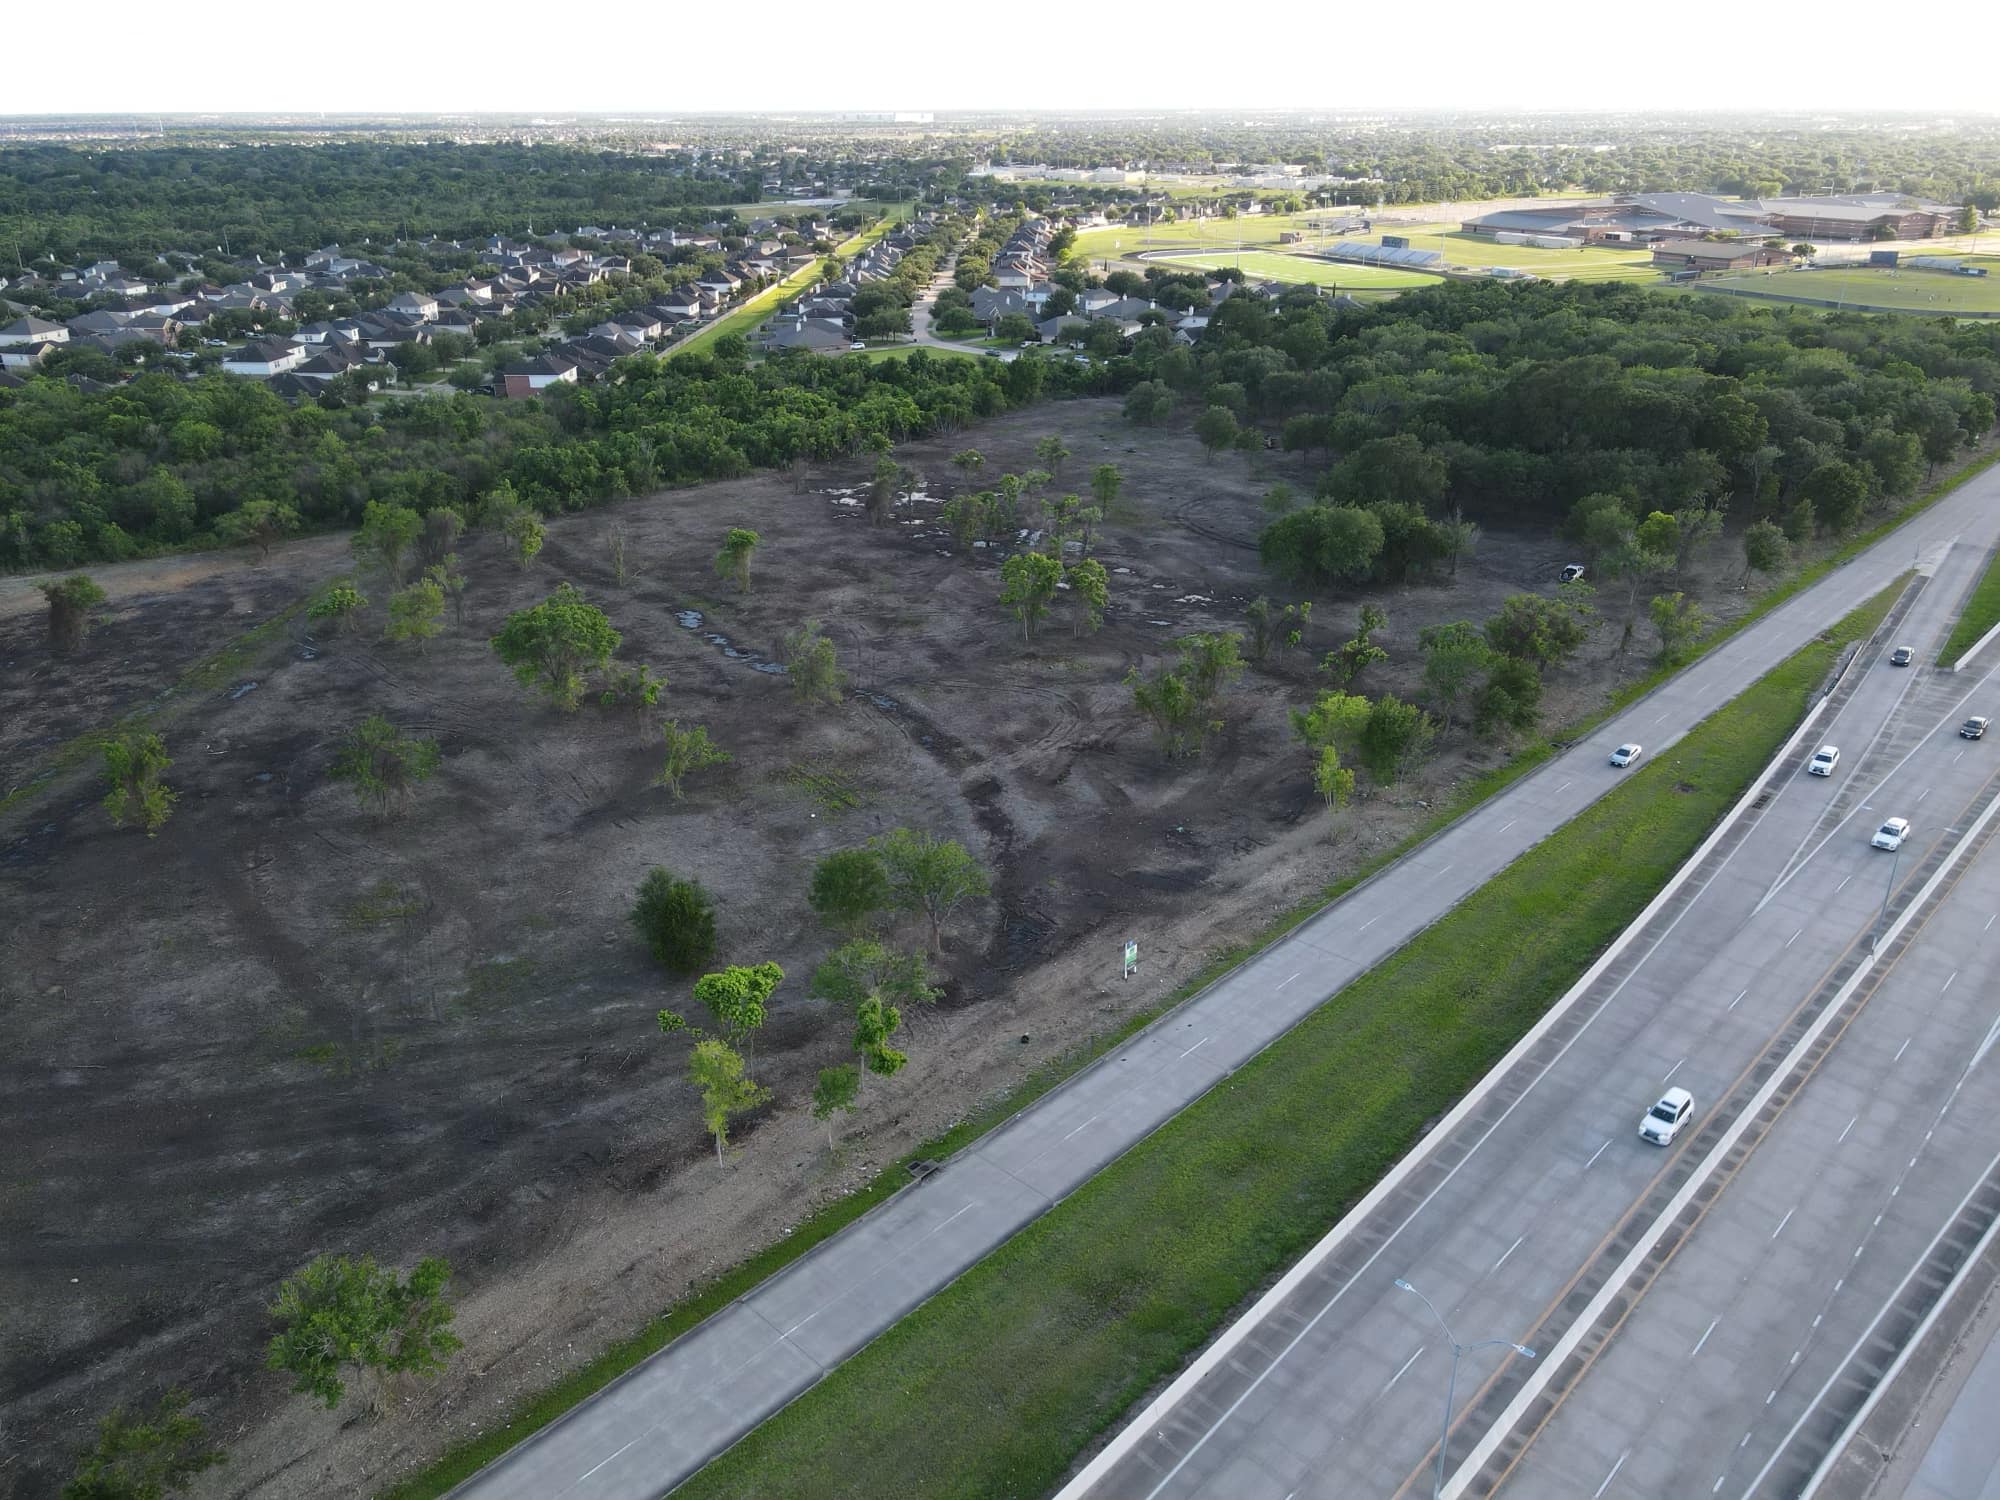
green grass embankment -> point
(993, 1386)
(1981, 614)
(753, 312)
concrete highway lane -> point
(1333, 1387)
(1705, 1388)
(661, 1421)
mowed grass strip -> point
(1981, 614)
(991, 1388)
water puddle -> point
(241, 689)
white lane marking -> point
(1868, 1332)
(1670, 1073)
(1566, 785)
(1989, 921)
(1613, 1474)
(1504, 1254)
(1508, 824)
(1850, 1125)
(1369, 923)
(934, 1230)
(1902, 1049)
(1923, 794)
(1843, 884)
(1958, 757)
(1084, 1126)
(1664, 717)
(1784, 1221)
(1711, 1489)
(1704, 1337)
(1738, 1000)
(1402, 1372)
(1196, 1047)
(1447, 869)
(1794, 937)
(1948, 982)
(1288, 981)
(1594, 1155)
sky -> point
(775, 55)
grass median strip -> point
(992, 1387)
(1981, 614)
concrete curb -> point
(1136, 1427)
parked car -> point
(1572, 572)
(1824, 760)
(1663, 1121)
(1974, 728)
(1891, 834)
(1624, 755)
(1902, 656)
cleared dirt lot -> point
(285, 1026)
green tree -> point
(676, 920)
(1217, 429)
(1765, 549)
(1535, 629)
(870, 979)
(1394, 738)
(968, 460)
(441, 530)
(339, 602)
(684, 751)
(554, 643)
(1336, 720)
(733, 560)
(1050, 453)
(338, 1313)
(967, 516)
(716, 1071)
(848, 887)
(132, 765)
(1322, 544)
(1332, 780)
(257, 523)
(811, 665)
(415, 612)
(387, 533)
(383, 764)
(883, 488)
(835, 1093)
(1838, 492)
(1455, 655)
(1511, 697)
(929, 874)
(1028, 583)
(1279, 500)
(146, 1458)
(736, 998)
(1105, 483)
(1348, 661)
(71, 600)
(1149, 403)
(1092, 587)
(450, 582)
(1182, 701)
(525, 534)
(1680, 622)
(633, 691)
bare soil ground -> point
(285, 1026)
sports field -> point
(1888, 290)
(1268, 265)
(1584, 263)
(1114, 240)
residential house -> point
(419, 305)
(32, 330)
(537, 375)
(264, 357)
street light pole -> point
(1458, 1350)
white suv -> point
(1824, 760)
(1891, 834)
(1664, 1120)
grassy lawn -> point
(1880, 288)
(1583, 263)
(1267, 265)
(1982, 613)
(993, 1386)
(753, 312)
(1114, 240)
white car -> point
(1824, 760)
(1891, 834)
(1664, 1120)
(1902, 656)
(1624, 755)
(1572, 573)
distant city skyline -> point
(1558, 56)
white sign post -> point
(1131, 959)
